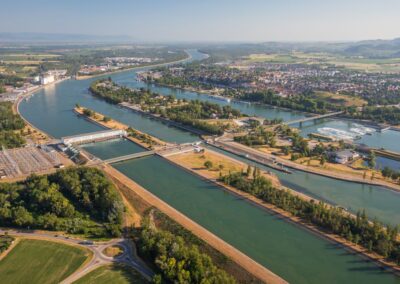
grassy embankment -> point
(163, 222)
(36, 261)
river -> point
(286, 249)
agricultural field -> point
(37, 261)
(25, 64)
(386, 65)
(116, 274)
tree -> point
(372, 160)
(106, 118)
(322, 160)
(208, 164)
(248, 171)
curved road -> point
(128, 257)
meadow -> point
(37, 261)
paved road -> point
(128, 257)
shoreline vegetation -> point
(194, 115)
(215, 242)
(233, 83)
(288, 216)
(347, 239)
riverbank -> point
(201, 172)
(247, 263)
(37, 136)
(189, 56)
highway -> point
(128, 257)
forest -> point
(374, 236)
(76, 200)
(176, 261)
(9, 123)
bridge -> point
(129, 157)
(313, 118)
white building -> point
(46, 79)
(345, 156)
(95, 136)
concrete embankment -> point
(243, 260)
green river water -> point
(290, 251)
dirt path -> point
(247, 263)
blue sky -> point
(207, 20)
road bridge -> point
(309, 118)
(129, 157)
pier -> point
(301, 120)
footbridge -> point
(129, 157)
(313, 117)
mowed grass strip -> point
(116, 274)
(37, 261)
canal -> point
(284, 248)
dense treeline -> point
(9, 120)
(11, 80)
(371, 235)
(176, 261)
(9, 123)
(389, 115)
(77, 200)
(191, 113)
(301, 102)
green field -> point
(116, 274)
(356, 63)
(35, 261)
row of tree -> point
(77, 200)
(176, 261)
(371, 235)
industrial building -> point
(93, 137)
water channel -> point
(293, 253)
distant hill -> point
(60, 38)
(375, 48)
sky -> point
(207, 20)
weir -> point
(93, 137)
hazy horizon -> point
(208, 20)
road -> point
(128, 257)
